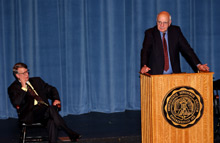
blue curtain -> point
(90, 49)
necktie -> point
(34, 94)
(166, 60)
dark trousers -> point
(49, 116)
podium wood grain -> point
(155, 128)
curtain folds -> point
(90, 49)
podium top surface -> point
(184, 74)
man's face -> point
(163, 22)
(22, 74)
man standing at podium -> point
(161, 47)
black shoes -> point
(75, 137)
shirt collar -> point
(161, 33)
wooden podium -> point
(156, 128)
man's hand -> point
(23, 82)
(203, 68)
(56, 102)
(144, 69)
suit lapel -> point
(158, 38)
(159, 45)
(170, 41)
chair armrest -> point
(58, 107)
(17, 107)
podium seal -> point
(183, 107)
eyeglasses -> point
(160, 23)
(26, 72)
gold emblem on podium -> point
(183, 107)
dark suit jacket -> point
(25, 101)
(152, 51)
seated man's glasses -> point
(26, 72)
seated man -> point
(31, 96)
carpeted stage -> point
(122, 127)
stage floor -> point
(123, 127)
